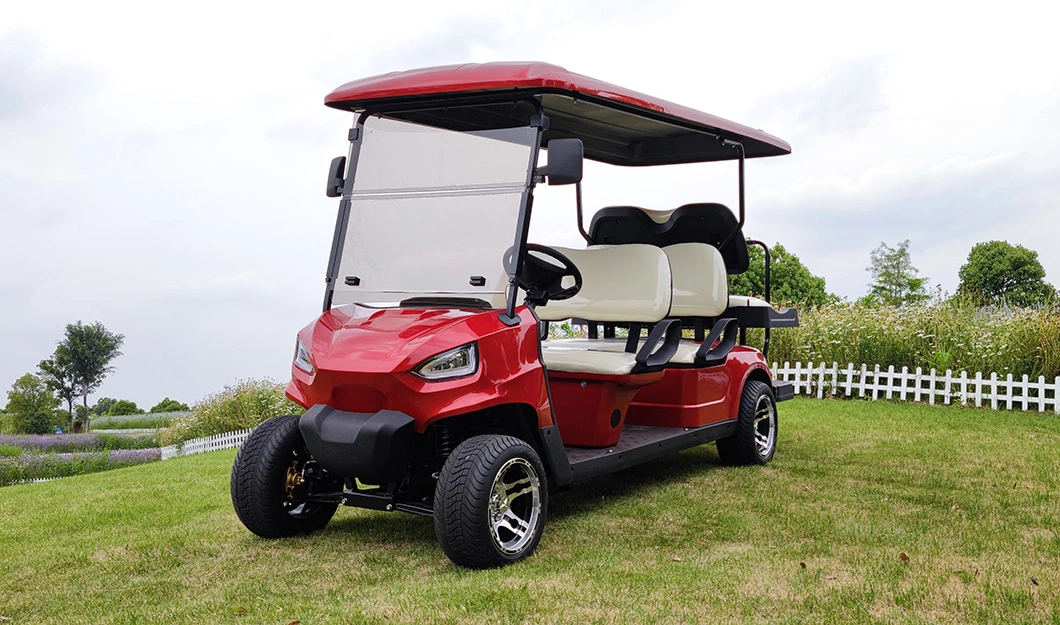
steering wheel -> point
(542, 275)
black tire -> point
(467, 509)
(259, 477)
(755, 440)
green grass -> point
(970, 496)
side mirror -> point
(335, 176)
(564, 161)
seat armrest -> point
(659, 347)
(709, 355)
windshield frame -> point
(357, 135)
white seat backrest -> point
(700, 283)
(619, 283)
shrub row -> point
(238, 407)
(950, 335)
(60, 443)
(33, 466)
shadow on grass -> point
(386, 529)
(613, 489)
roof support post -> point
(740, 152)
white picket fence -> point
(228, 440)
(919, 386)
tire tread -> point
(259, 463)
(740, 448)
(462, 497)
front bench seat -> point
(622, 283)
(699, 288)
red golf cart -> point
(430, 384)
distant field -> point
(137, 421)
(870, 513)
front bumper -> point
(372, 447)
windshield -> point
(432, 213)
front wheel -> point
(271, 481)
(755, 440)
(490, 502)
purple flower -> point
(34, 465)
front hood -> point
(378, 340)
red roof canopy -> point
(617, 125)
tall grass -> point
(949, 335)
(238, 407)
(137, 421)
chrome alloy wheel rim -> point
(765, 426)
(515, 505)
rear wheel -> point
(271, 479)
(491, 502)
(755, 440)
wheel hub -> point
(514, 505)
(765, 425)
(293, 479)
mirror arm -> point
(578, 200)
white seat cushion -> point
(686, 353)
(686, 350)
(602, 345)
(736, 301)
(582, 360)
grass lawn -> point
(970, 497)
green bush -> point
(169, 405)
(950, 335)
(238, 407)
(10, 451)
(123, 407)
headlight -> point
(455, 363)
(301, 357)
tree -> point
(169, 405)
(123, 407)
(32, 404)
(58, 373)
(998, 273)
(101, 406)
(894, 278)
(91, 349)
(790, 281)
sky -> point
(162, 168)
